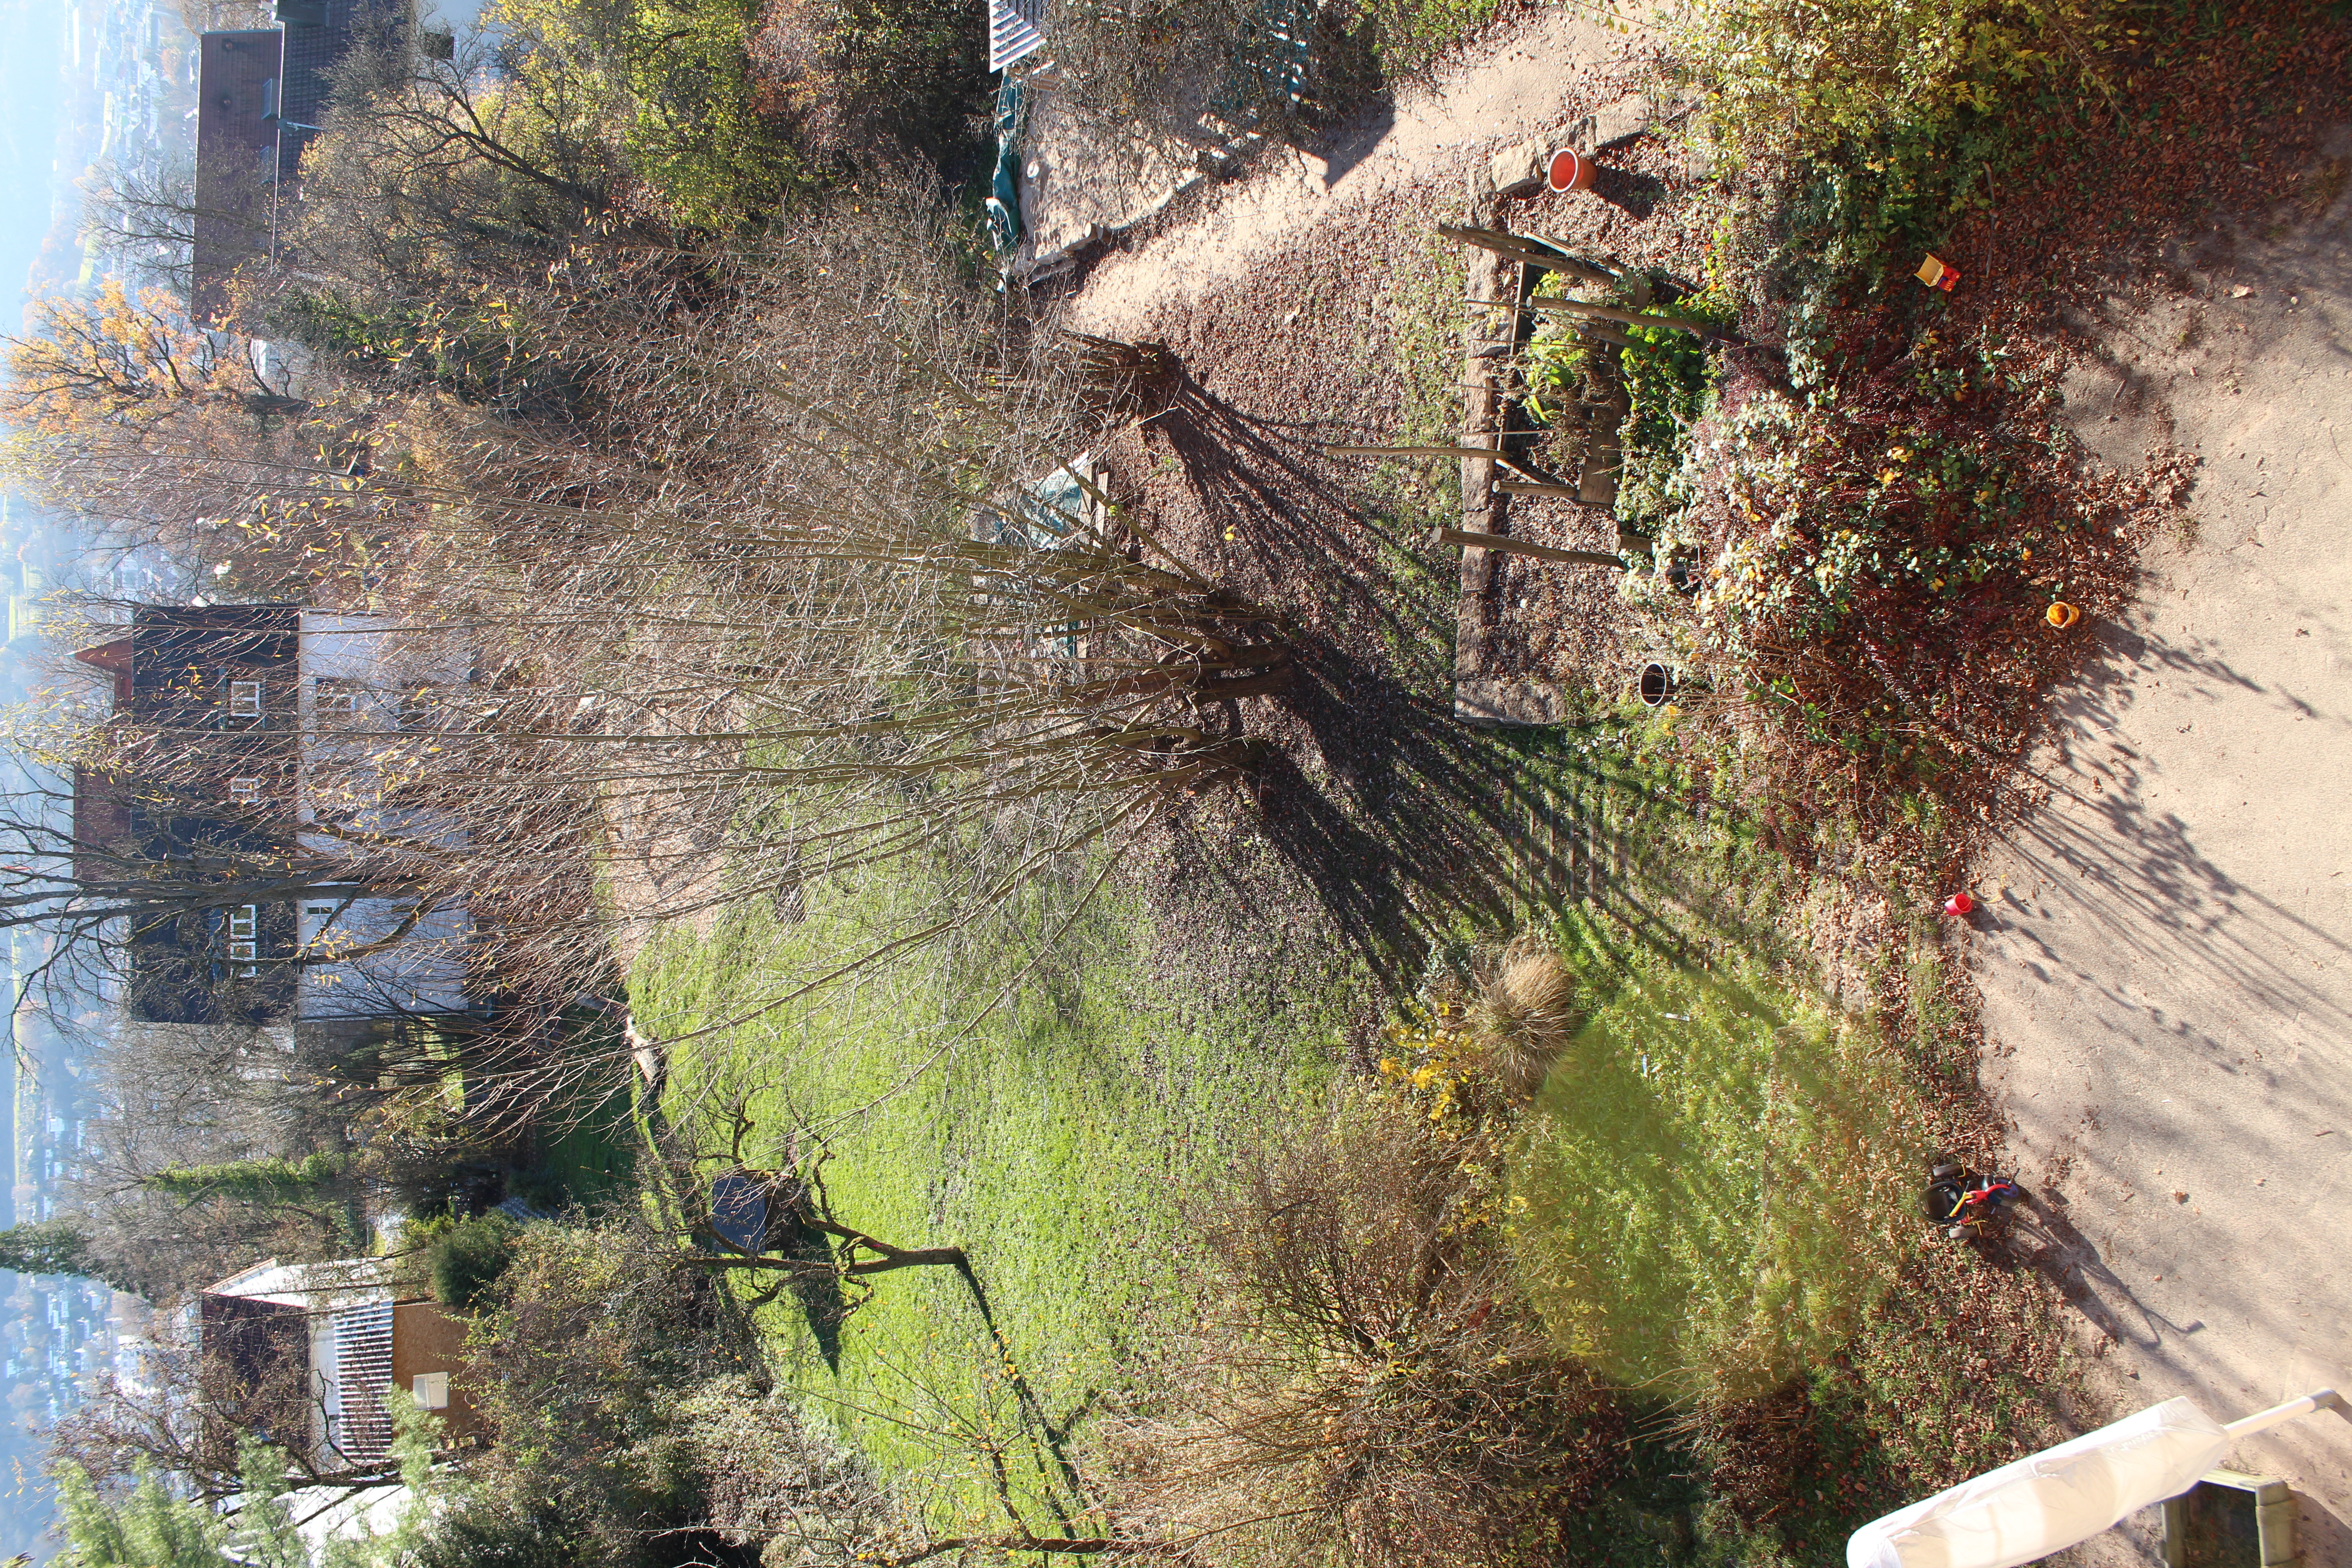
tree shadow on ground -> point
(817, 1289)
(1052, 1435)
(1402, 821)
(2084, 1281)
(1405, 822)
(1399, 829)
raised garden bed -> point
(1543, 412)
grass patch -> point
(1712, 1175)
(588, 1140)
(1718, 1176)
(1049, 1142)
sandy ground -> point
(650, 871)
(1539, 77)
(2166, 949)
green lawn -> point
(1051, 1143)
(1716, 1177)
(588, 1136)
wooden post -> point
(1526, 250)
(1411, 451)
(1468, 539)
(1495, 452)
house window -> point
(245, 699)
(432, 1389)
(245, 791)
(244, 929)
(337, 704)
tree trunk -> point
(911, 1258)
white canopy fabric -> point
(2048, 1501)
(2045, 1503)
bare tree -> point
(190, 1408)
(147, 218)
(780, 1223)
(819, 581)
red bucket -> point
(1568, 169)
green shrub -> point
(272, 1180)
(696, 138)
(1873, 532)
(678, 75)
(1796, 78)
(466, 1258)
(1558, 360)
(582, 1353)
(497, 1531)
(1668, 375)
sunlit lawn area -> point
(1054, 1143)
(1716, 1177)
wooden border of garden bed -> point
(1480, 698)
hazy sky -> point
(32, 108)
(32, 73)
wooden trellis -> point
(1530, 257)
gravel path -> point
(2166, 952)
(1531, 79)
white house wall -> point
(424, 972)
(376, 650)
(326, 1387)
(358, 804)
(380, 662)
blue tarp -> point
(1004, 202)
(738, 1210)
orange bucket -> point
(1568, 169)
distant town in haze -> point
(95, 88)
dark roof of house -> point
(312, 52)
(114, 657)
(165, 638)
(261, 95)
(238, 156)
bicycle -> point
(1965, 1204)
